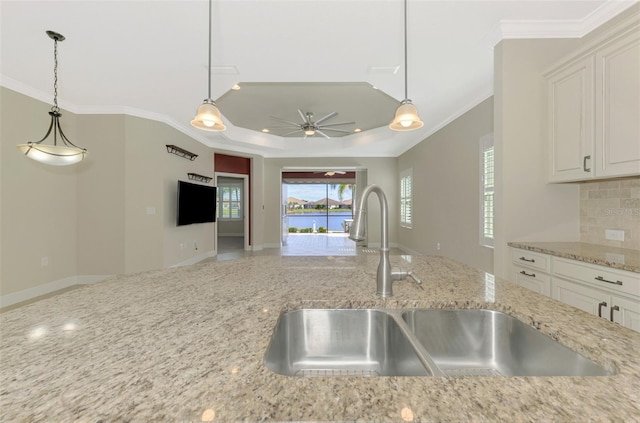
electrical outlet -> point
(438, 246)
(614, 235)
(44, 261)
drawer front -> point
(530, 259)
(533, 280)
(599, 276)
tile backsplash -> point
(612, 204)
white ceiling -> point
(149, 58)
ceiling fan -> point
(309, 127)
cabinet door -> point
(570, 97)
(618, 108)
(626, 312)
(582, 297)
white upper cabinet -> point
(593, 110)
(570, 115)
(617, 125)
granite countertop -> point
(615, 257)
(187, 344)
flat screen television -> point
(196, 203)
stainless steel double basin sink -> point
(417, 342)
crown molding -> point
(517, 29)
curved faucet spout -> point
(384, 276)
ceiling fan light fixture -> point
(406, 118)
(208, 117)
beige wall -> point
(38, 201)
(613, 204)
(101, 199)
(446, 184)
(526, 207)
(115, 212)
(380, 171)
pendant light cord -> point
(209, 68)
(55, 107)
(406, 83)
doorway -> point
(232, 223)
(316, 212)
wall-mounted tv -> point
(196, 203)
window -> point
(487, 165)
(406, 196)
(230, 201)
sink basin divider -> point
(421, 352)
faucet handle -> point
(398, 274)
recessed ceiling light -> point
(235, 87)
(357, 130)
(265, 130)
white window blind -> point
(406, 198)
(487, 178)
(230, 202)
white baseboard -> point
(231, 234)
(255, 247)
(195, 259)
(272, 245)
(48, 288)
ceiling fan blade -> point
(335, 130)
(323, 134)
(329, 116)
(336, 124)
(292, 132)
(286, 121)
(305, 118)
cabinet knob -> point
(533, 275)
(529, 260)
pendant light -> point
(406, 118)
(66, 153)
(208, 115)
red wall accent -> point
(239, 165)
(232, 164)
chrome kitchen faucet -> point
(385, 275)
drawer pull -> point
(522, 272)
(601, 279)
(526, 259)
(614, 308)
(602, 304)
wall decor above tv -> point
(181, 152)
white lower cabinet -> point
(535, 281)
(606, 292)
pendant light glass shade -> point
(55, 155)
(62, 154)
(407, 118)
(208, 117)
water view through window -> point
(323, 207)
